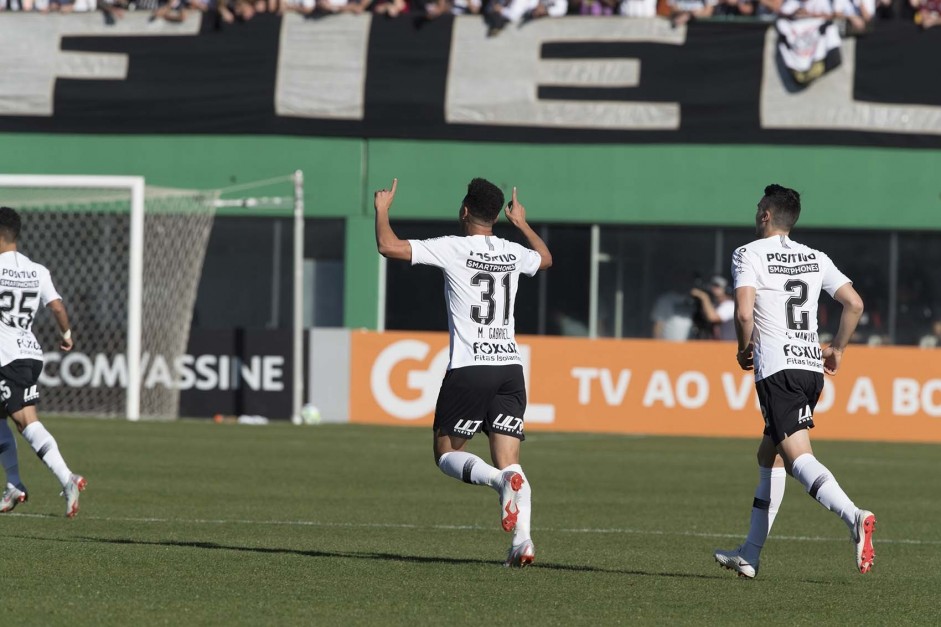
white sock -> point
(822, 485)
(8, 458)
(768, 497)
(522, 532)
(469, 468)
(47, 449)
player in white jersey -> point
(777, 285)
(483, 388)
(26, 286)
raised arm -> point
(389, 245)
(852, 312)
(62, 319)
(516, 214)
(745, 326)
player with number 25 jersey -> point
(25, 286)
(483, 389)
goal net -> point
(86, 237)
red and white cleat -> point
(509, 499)
(75, 485)
(521, 555)
(862, 540)
(12, 496)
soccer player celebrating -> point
(24, 287)
(483, 388)
(777, 286)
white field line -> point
(342, 525)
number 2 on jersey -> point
(797, 319)
(488, 282)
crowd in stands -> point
(500, 13)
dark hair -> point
(484, 200)
(784, 204)
(10, 224)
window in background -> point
(247, 279)
(645, 277)
(863, 256)
(918, 300)
(567, 282)
(324, 244)
(415, 294)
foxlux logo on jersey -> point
(800, 355)
(496, 351)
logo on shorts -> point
(30, 394)
(467, 426)
(508, 423)
(804, 415)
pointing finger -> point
(395, 183)
(514, 196)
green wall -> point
(668, 184)
(650, 184)
(867, 188)
(332, 167)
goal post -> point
(117, 250)
(297, 321)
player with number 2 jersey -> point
(777, 285)
(483, 389)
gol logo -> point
(427, 381)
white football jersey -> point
(481, 274)
(788, 278)
(24, 288)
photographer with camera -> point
(715, 310)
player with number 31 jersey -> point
(483, 389)
(481, 275)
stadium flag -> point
(652, 387)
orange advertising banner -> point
(653, 387)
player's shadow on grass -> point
(371, 555)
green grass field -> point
(193, 523)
